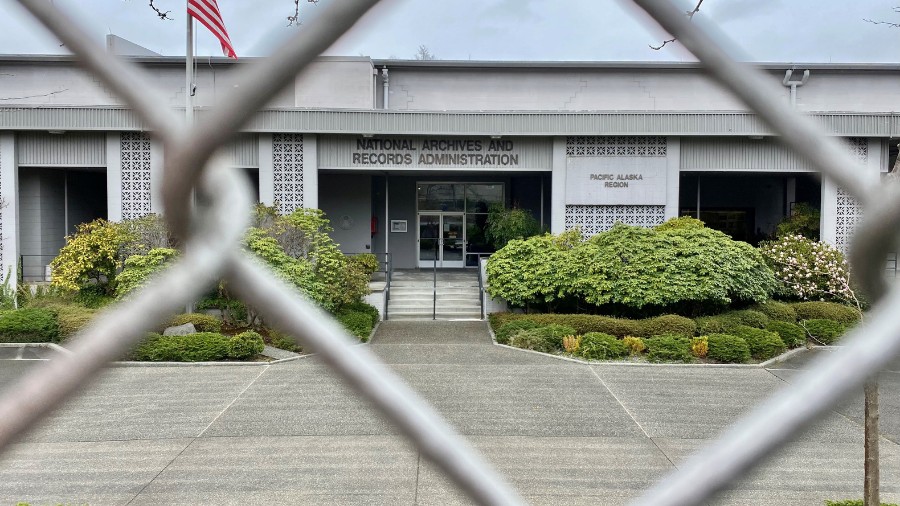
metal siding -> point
(72, 149)
(738, 154)
(462, 123)
(245, 151)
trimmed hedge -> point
(245, 345)
(746, 317)
(763, 343)
(29, 325)
(71, 318)
(824, 331)
(669, 348)
(668, 324)
(820, 310)
(712, 325)
(547, 339)
(507, 330)
(357, 323)
(199, 347)
(727, 348)
(582, 323)
(792, 334)
(775, 310)
(202, 322)
(598, 346)
(725, 323)
(362, 307)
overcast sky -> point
(811, 31)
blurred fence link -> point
(207, 205)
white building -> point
(399, 153)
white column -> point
(828, 216)
(310, 172)
(558, 187)
(673, 176)
(156, 176)
(266, 176)
(9, 214)
(114, 176)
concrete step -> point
(447, 294)
(439, 316)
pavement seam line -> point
(418, 470)
(157, 475)
(660, 450)
(238, 396)
(620, 403)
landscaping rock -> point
(180, 330)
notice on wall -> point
(613, 180)
(434, 152)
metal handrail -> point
(480, 288)
(34, 271)
(439, 242)
(389, 271)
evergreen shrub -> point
(29, 325)
(728, 349)
(668, 324)
(245, 345)
(775, 310)
(507, 330)
(792, 334)
(199, 347)
(821, 310)
(700, 346)
(823, 331)
(746, 317)
(546, 339)
(202, 322)
(599, 346)
(635, 345)
(669, 348)
(582, 323)
(763, 343)
(357, 323)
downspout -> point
(794, 84)
(384, 83)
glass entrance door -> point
(442, 237)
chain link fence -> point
(205, 204)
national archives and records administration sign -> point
(614, 180)
(423, 153)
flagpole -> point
(189, 68)
(188, 90)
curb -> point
(762, 365)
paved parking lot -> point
(561, 432)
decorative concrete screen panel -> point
(135, 175)
(287, 171)
(431, 153)
(595, 219)
(848, 211)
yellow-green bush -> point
(634, 345)
(202, 322)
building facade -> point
(407, 157)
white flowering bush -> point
(810, 270)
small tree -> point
(91, 256)
(504, 225)
(423, 53)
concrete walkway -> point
(562, 433)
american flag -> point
(207, 13)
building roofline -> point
(469, 64)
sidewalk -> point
(561, 433)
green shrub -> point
(763, 344)
(507, 330)
(202, 322)
(700, 346)
(282, 341)
(775, 310)
(668, 324)
(546, 339)
(504, 225)
(71, 318)
(819, 310)
(669, 348)
(597, 346)
(199, 347)
(363, 307)
(245, 345)
(792, 334)
(746, 317)
(582, 323)
(713, 325)
(29, 325)
(823, 331)
(357, 323)
(139, 268)
(727, 348)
